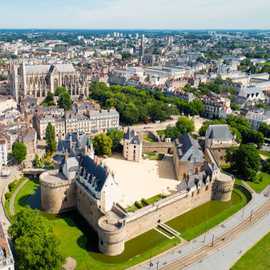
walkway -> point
(13, 197)
(4, 182)
(199, 248)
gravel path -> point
(13, 197)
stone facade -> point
(38, 80)
(132, 147)
(92, 123)
(57, 195)
(94, 193)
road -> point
(198, 121)
(4, 182)
(196, 254)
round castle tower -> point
(112, 235)
(57, 194)
(223, 187)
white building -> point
(90, 123)
(256, 118)
(252, 94)
(7, 103)
(216, 106)
(3, 151)
(6, 257)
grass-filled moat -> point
(79, 241)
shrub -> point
(8, 196)
(138, 205)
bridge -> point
(33, 172)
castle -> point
(85, 184)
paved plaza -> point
(143, 179)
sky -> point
(135, 14)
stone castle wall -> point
(222, 191)
(165, 210)
(87, 207)
(58, 198)
(159, 147)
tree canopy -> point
(35, 244)
(64, 98)
(49, 100)
(50, 138)
(183, 125)
(103, 144)
(19, 151)
(141, 105)
(116, 137)
(245, 161)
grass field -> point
(78, 240)
(205, 217)
(256, 258)
(262, 181)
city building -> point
(218, 139)
(6, 258)
(256, 118)
(216, 106)
(90, 123)
(3, 151)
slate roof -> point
(189, 149)
(37, 69)
(98, 174)
(219, 132)
(63, 68)
(132, 137)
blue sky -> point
(135, 14)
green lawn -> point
(261, 182)
(78, 240)
(154, 156)
(257, 257)
(161, 133)
(148, 138)
(205, 217)
(145, 202)
(265, 154)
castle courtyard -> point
(144, 179)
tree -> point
(116, 137)
(252, 136)
(245, 161)
(185, 125)
(49, 100)
(103, 144)
(19, 151)
(37, 162)
(265, 130)
(35, 244)
(50, 138)
(64, 101)
(59, 90)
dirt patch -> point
(70, 264)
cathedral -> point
(37, 80)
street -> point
(200, 252)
